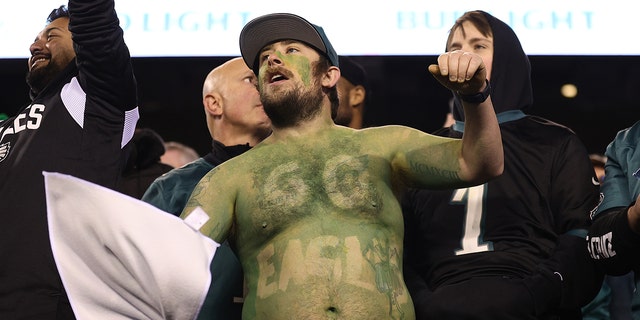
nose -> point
(273, 59)
(35, 46)
(467, 47)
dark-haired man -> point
(352, 90)
(312, 211)
(82, 113)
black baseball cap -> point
(274, 27)
(352, 71)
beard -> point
(39, 78)
(290, 108)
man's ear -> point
(357, 95)
(331, 77)
(212, 104)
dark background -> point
(401, 92)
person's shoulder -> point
(238, 165)
(542, 135)
(193, 168)
(365, 135)
(625, 141)
(536, 129)
(389, 134)
(387, 140)
(390, 129)
(546, 124)
(631, 135)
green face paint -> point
(297, 62)
(300, 64)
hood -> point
(510, 74)
(148, 147)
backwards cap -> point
(352, 71)
(274, 27)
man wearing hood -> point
(513, 247)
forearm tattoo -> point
(422, 168)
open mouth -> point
(277, 77)
(36, 60)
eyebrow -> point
(248, 74)
(478, 39)
(48, 30)
(285, 42)
(472, 41)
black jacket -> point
(77, 125)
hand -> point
(460, 71)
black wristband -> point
(479, 97)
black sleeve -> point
(569, 280)
(105, 77)
(103, 59)
(612, 244)
(582, 277)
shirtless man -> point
(312, 211)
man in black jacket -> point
(82, 114)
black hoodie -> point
(530, 221)
(510, 75)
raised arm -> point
(104, 62)
(482, 156)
